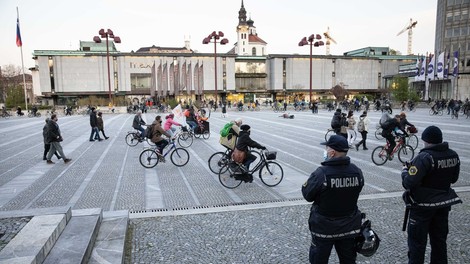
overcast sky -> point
(354, 24)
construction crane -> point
(329, 40)
(409, 27)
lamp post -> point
(215, 37)
(313, 41)
(97, 39)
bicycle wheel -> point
(406, 153)
(413, 141)
(329, 133)
(440, 112)
(132, 140)
(389, 110)
(271, 173)
(227, 178)
(149, 141)
(217, 161)
(378, 134)
(379, 155)
(185, 140)
(179, 157)
(197, 135)
(148, 158)
(206, 134)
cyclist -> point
(156, 136)
(244, 141)
(34, 110)
(190, 117)
(387, 128)
(168, 126)
(18, 111)
(336, 121)
(137, 124)
(404, 122)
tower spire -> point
(242, 15)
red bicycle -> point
(405, 152)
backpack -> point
(360, 125)
(149, 131)
(226, 129)
(388, 125)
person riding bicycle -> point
(244, 141)
(404, 124)
(34, 110)
(169, 124)
(137, 124)
(388, 127)
(190, 117)
(18, 111)
(156, 136)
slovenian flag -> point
(19, 43)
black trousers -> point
(320, 250)
(424, 222)
(363, 140)
(391, 141)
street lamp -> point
(313, 41)
(215, 36)
(97, 39)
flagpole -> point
(22, 65)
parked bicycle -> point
(150, 157)
(270, 172)
(405, 152)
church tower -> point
(248, 42)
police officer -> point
(428, 178)
(334, 189)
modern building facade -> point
(245, 73)
(453, 35)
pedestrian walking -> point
(363, 128)
(224, 110)
(54, 138)
(351, 125)
(94, 126)
(334, 189)
(429, 196)
(47, 146)
(100, 124)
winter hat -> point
(432, 134)
(245, 127)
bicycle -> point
(405, 152)
(150, 157)
(134, 137)
(6, 115)
(435, 112)
(184, 138)
(270, 172)
(330, 132)
(31, 114)
(378, 133)
(219, 159)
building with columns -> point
(245, 73)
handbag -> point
(238, 156)
(229, 141)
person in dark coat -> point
(336, 121)
(100, 124)
(94, 126)
(137, 124)
(334, 189)
(244, 141)
(53, 137)
(429, 196)
(47, 146)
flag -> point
(19, 43)
(153, 78)
(431, 64)
(455, 72)
(201, 79)
(446, 68)
(159, 80)
(183, 77)
(440, 66)
(417, 70)
(165, 80)
(188, 79)
(172, 79)
(196, 80)
(177, 79)
(422, 71)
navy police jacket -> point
(429, 176)
(334, 189)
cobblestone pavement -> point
(108, 175)
(276, 235)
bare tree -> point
(339, 92)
